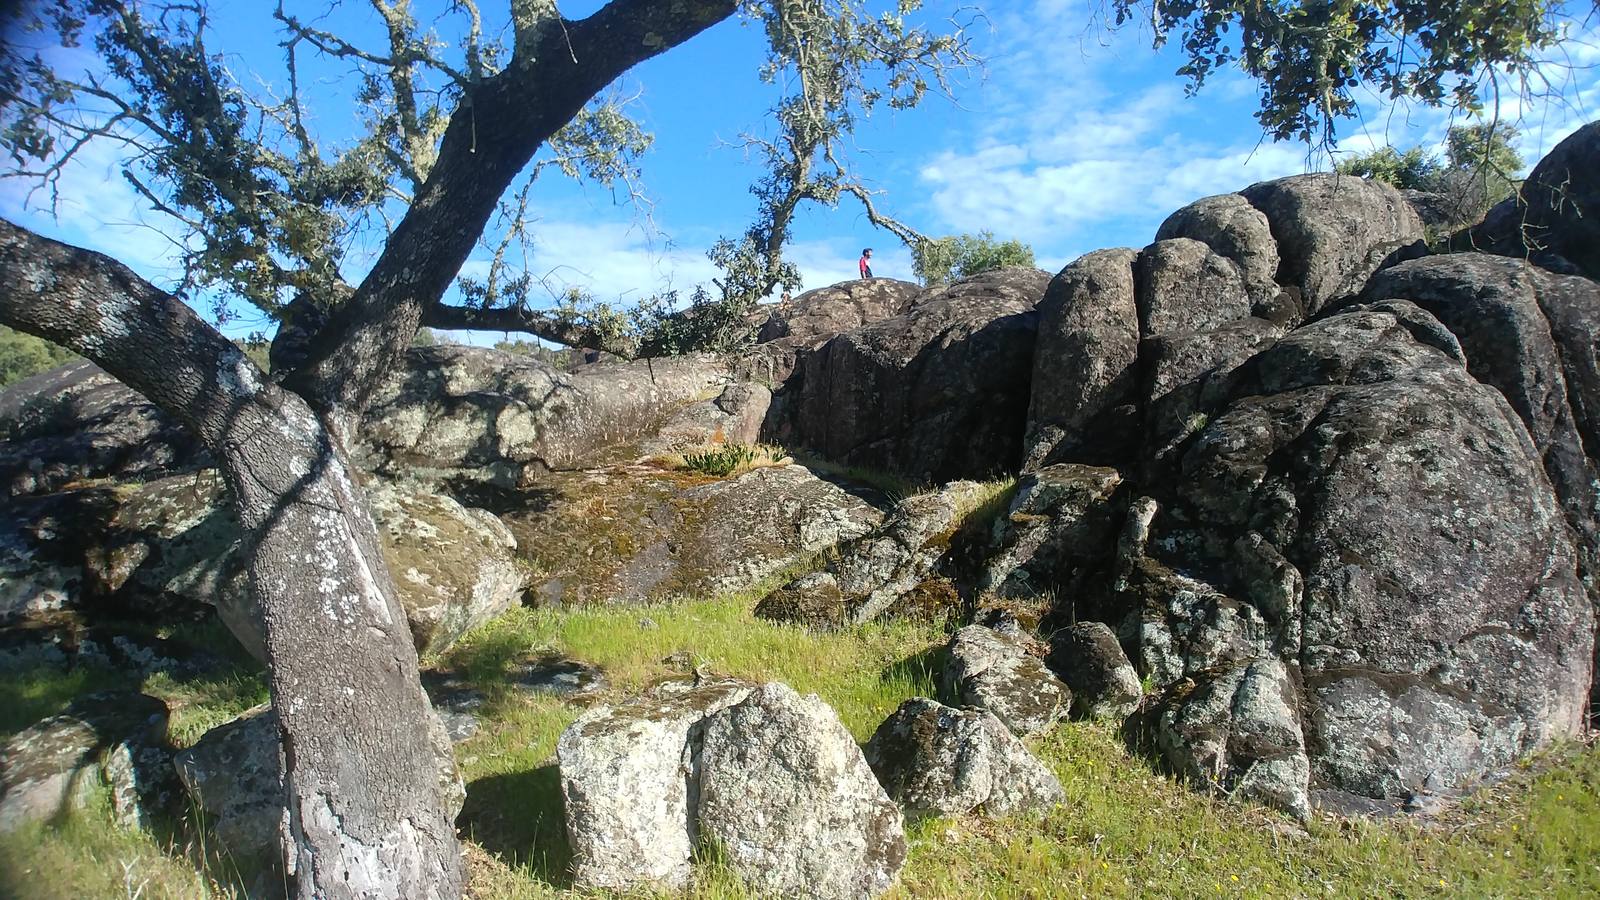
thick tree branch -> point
(550, 327)
(492, 136)
(98, 307)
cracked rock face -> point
(772, 780)
(995, 672)
(937, 761)
(936, 394)
(631, 781)
(1369, 546)
(499, 417)
(788, 798)
(867, 576)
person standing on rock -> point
(865, 263)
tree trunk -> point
(360, 745)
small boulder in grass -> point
(787, 796)
(630, 781)
(1091, 661)
(54, 766)
(937, 761)
(994, 671)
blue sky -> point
(1073, 140)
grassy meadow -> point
(1126, 829)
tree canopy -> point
(1479, 168)
(947, 259)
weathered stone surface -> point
(1186, 377)
(1234, 229)
(1094, 667)
(1059, 529)
(1496, 307)
(842, 307)
(1083, 365)
(1554, 219)
(734, 416)
(453, 565)
(1442, 212)
(788, 798)
(867, 575)
(631, 533)
(65, 641)
(53, 767)
(77, 423)
(1239, 732)
(1366, 513)
(937, 761)
(631, 778)
(992, 671)
(234, 774)
(937, 394)
(502, 417)
(812, 600)
(1333, 231)
(1183, 285)
(172, 546)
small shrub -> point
(721, 461)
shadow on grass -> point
(518, 817)
(920, 669)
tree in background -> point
(1479, 170)
(1414, 169)
(943, 260)
(22, 355)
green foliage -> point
(1477, 172)
(1415, 168)
(947, 259)
(1309, 57)
(23, 355)
(720, 461)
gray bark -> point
(365, 815)
(366, 818)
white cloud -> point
(94, 206)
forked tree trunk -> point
(360, 744)
(361, 748)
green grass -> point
(1125, 830)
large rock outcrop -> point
(936, 394)
(639, 532)
(1532, 336)
(1372, 553)
(171, 547)
(77, 423)
(1083, 374)
(842, 307)
(506, 418)
(1333, 231)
